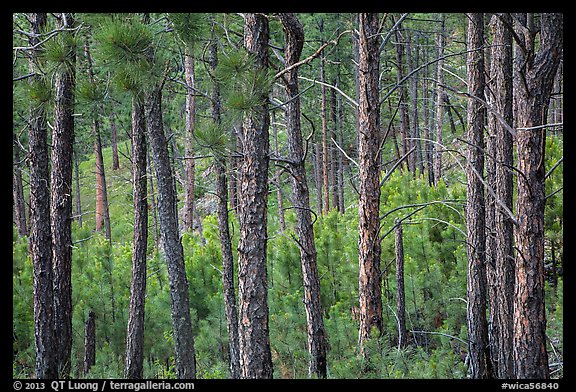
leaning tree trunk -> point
(475, 209)
(61, 201)
(439, 103)
(168, 217)
(40, 242)
(317, 343)
(370, 292)
(534, 79)
(135, 334)
(255, 354)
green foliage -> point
(189, 26)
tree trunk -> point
(534, 78)
(404, 115)
(77, 181)
(135, 334)
(255, 355)
(400, 299)
(230, 307)
(89, 343)
(277, 177)
(190, 125)
(323, 116)
(40, 231)
(415, 131)
(370, 292)
(317, 344)
(475, 208)
(168, 217)
(18, 192)
(439, 103)
(102, 213)
(501, 309)
(61, 202)
(114, 142)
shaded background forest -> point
(423, 131)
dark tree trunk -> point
(317, 344)
(400, 299)
(40, 232)
(501, 300)
(255, 355)
(18, 192)
(475, 208)
(534, 78)
(89, 343)
(230, 307)
(190, 125)
(61, 202)
(135, 333)
(370, 292)
(168, 217)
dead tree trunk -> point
(190, 124)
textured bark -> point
(61, 202)
(172, 247)
(230, 306)
(255, 355)
(400, 298)
(190, 125)
(370, 292)
(502, 284)
(317, 344)
(40, 232)
(89, 343)
(135, 333)
(475, 208)
(18, 192)
(534, 78)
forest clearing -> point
(287, 196)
